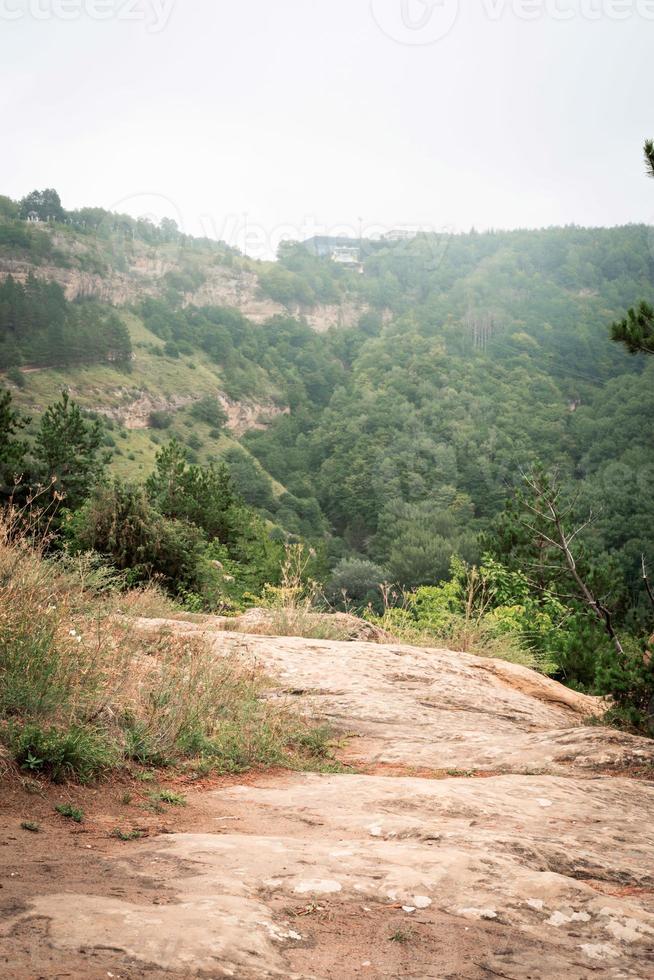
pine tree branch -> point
(539, 534)
(547, 591)
(646, 580)
(648, 150)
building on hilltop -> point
(324, 245)
(341, 250)
(346, 255)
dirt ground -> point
(71, 857)
(343, 940)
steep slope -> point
(102, 267)
(155, 385)
(542, 868)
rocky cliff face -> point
(129, 276)
(485, 829)
(134, 408)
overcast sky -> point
(317, 114)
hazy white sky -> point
(314, 114)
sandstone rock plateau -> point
(488, 829)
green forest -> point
(440, 459)
(39, 328)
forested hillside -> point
(497, 353)
(382, 414)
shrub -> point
(630, 684)
(210, 411)
(356, 580)
(160, 420)
(16, 376)
(70, 812)
(172, 798)
(487, 611)
(126, 835)
(120, 523)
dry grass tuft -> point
(292, 608)
(463, 635)
(82, 692)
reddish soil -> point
(64, 856)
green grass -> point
(127, 835)
(70, 812)
(146, 777)
(62, 753)
(170, 797)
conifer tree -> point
(636, 331)
(69, 451)
(12, 450)
(649, 157)
(201, 495)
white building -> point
(346, 255)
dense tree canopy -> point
(38, 326)
(44, 205)
(496, 355)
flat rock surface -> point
(433, 708)
(520, 845)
